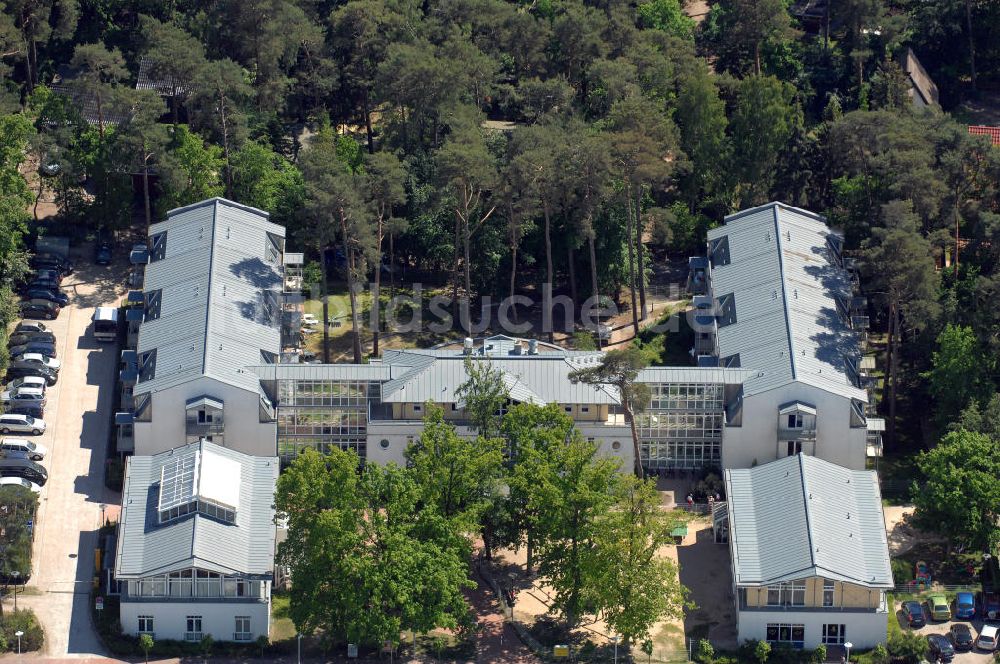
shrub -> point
(819, 654)
(22, 620)
(704, 652)
(762, 651)
(907, 646)
(709, 486)
(880, 655)
(902, 572)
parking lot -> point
(937, 627)
(78, 416)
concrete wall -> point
(218, 618)
(241, 412)
(863, 629)
(757, 440)
(844, 595)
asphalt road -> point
(77, 416)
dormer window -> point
(158, 247)
(273, 248)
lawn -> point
(282, 627)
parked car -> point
(988, 605)
(961, 637)
(939, 648)
(41, 284)
(40, 309)
(15, 423)
(19, 338)
(35, 451)
(30, 326)
(25, 468)
(35, 395)
(48, 275)
(913, 611)
(38, 360)
(60, 298)
(309, 319)
(938, 607)
(52, 262)
(964, 606)
(39, 347)
(37, 411)
(102, 252)
(987, 638)
(17, 369)
(27, 381)
(21, 482)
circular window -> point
(384, 444)
(616, 446)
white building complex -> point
(777, 346)
(195, 551)
(810, 557)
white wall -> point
(397, 433)
(836, 441)
(217, 618)
(241, 411)
(864, 629)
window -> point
(798, 593)
(242, 630)
(204, 417)
(384, 444)
(794, 447)
(145, 624)
(834, 634)
(454, 406)
(725, 308)
(774, 595)
(147, 366)
(792, 593)
(616, 446)
(795, 635)
(584, 409)
(193, 631)
(828, 587)
(272, 248)
(568, 409)
(158, 247)
(795, 420)
(417, 408)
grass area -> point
(282, 627)
(671, 339)
(950, 569)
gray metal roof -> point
(246, 547)
(216, 287)
(800, 517)
(785, 286)
(542, 378)
(713, 375)
(332, 372)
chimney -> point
(532, 346)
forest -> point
(491, 146)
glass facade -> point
(322, 414)
(195, 583)
(682, 427)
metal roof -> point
(218, 305)
(784, 288)
(800, 517)
(246, 547)
(542, 378)
(146, 81)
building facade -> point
(809, 552)
(211, 306)
(195, 551)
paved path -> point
(77, 414)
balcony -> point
(793, 608)
(803, 433)
(205, 429)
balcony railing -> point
(803, 434)
(242, 636)
(205, 429)
(193, 636)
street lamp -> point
(103, 507)
(16, 575)
(18, 634)
(614, 640)
(848, 645)
(298, 639)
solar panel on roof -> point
(178, 480)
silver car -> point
(14, 423)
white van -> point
(34, 451)
(106, 323)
